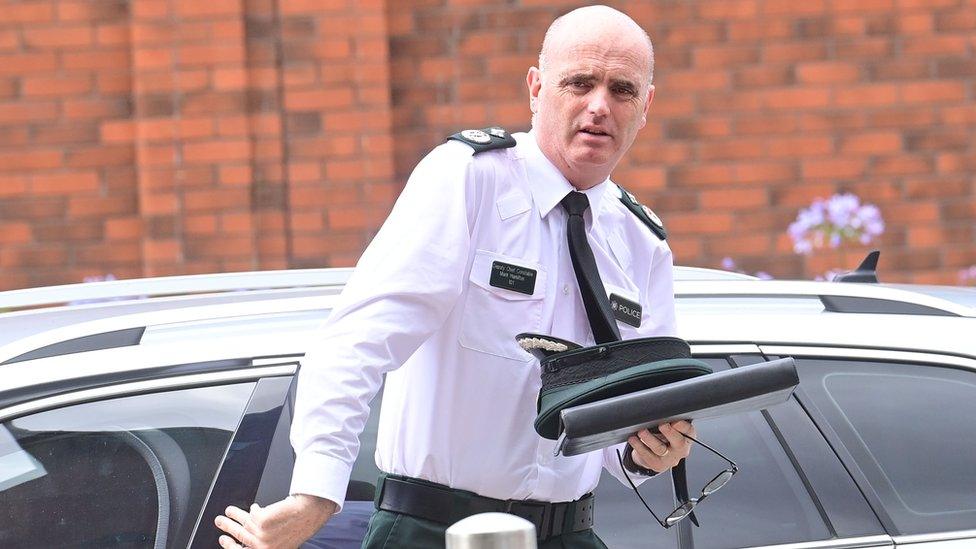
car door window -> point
(765, 503)
(909, 428)
(125, 472)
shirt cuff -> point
(631, 466)
(322, 476)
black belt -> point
(439, 503)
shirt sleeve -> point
(404, 286)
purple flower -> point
(728, 263)
(830, 223)
(968, 276)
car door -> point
(902, 424)
(131, 462)
(790, 488)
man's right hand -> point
(282, 525)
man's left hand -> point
(660, 452)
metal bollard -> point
(491, 531)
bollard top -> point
(491, 531)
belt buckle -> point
(539, 513)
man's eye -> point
(579, 84)
(624, 91)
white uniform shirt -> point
(460, 395)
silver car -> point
(132, 412)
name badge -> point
(512, 277)
(625, 310)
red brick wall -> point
(147, 137)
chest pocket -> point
(494, 315)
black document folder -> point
(607, 422)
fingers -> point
(228, 542)
(676, 440)
(662, 451)
(235, 523)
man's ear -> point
(647, 105)
(533, 80)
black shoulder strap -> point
(486, 139)
(643, 213)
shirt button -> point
(566, 289)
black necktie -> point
(595, 299)
(597, 305)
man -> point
(426, 307)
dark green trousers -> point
(395, 531)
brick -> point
(58, 37)
(17, 232)
(685, 81)
(87, 60)
(13, 185)
(24, 111)
(865, 48)
(827, 72)
(123, 228)
(117, 131)
(765, 124)
(209, 54)
(64, 183)
(211, 8)
(867, 95)
(98, 156)
(724, 56)
(796, 98)
(29, 160)
(933, 91)
(57, 86)
(833, 168)
(935, 45)
(700, 224)
(71, 232)
(734, 199)
(331, 98)
(215, 151)
(794, 52)
(763, 76)
(938, 139)
(27, 63)
(800, 146)
(98, 206)
(112, 34)
(152, 58)
(902, 165)
(235, 175)
(28, 12)
(236, 223)
(759, 30)
(100, 10)
(871, 143)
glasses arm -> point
(620, 459)
(712, 450)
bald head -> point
(596, 23)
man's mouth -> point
(594, 131)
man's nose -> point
(599, 102)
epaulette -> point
(643, 213)
(486, 139)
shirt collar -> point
(548, 185)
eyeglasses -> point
(684, 510)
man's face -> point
(589, 105)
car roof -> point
(271, 312)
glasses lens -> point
(680, 512)
(717, 482)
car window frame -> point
(272, 377)
(868, 354)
